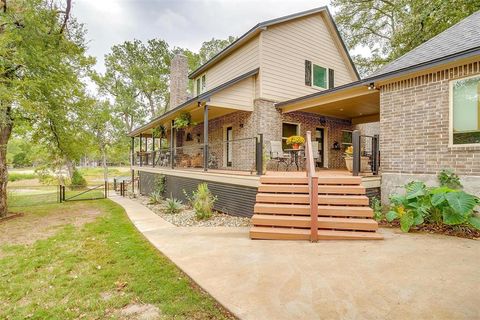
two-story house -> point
(293, 74)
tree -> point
(139, 71)
(42, 50)
(105, 129)
(390, 28)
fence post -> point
(356, 152)
(259, 154)
(59, 193)
(63, 193)
(106, 189)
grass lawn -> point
(91, 270)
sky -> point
(182, 23)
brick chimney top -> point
(178, 80)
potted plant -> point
(295, 141)
(348, 153)
(184, 120)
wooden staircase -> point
(283, 212)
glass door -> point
(319, 139)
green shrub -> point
(448, 178)
(377, 209)
(433, 205)
(78, 181)
(155, 197)
(202, 201)
(160, 184)
(173, 206)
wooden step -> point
(304, 209)
(269, 233)
(322, 189)
(323, 222)
(305, 199)
(335, 180)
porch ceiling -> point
(357, 103)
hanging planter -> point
(183, 121)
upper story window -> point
(317, 76)
(465, 111)
(201, 84)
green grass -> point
(63, 277)
(13, 176)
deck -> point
(248, 179)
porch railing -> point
(312, 187)
(243, 154)
(365, 147)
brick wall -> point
(414, 131)
(264, 119)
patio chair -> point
(277, 154)
(316, 154)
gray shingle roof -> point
(463, 36)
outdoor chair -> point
(316, 154)
(277, 154)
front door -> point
(319, 139)
(229, 146)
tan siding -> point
(285, 48)
(242, 60)
(239, 96)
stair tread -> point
(292, 233)
(323, 222)
(307, 218)
(304, 209)
(322, 179)
(334, 196)
(331, 189)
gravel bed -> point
(186, 218)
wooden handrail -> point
(312, 187)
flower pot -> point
(296, 146)
(364, 166)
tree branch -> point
(67, 15)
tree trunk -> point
(5, 131)
(70, 167)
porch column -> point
(140, 151)
(132, 152)
(205, 138)
(172, 132)
(153, 150)
(356, 152)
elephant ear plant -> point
(433, 205)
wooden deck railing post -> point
(141, 151)
(356, 152)
(259, 154)
(375, 153)
(312, 188)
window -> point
(465, 110)
(319, 76)
(288, 130)
(201, 84)
(204, 83)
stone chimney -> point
(178, 80)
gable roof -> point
(261, 26)
(201, 97)
(461, 37)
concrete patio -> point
(405, 276)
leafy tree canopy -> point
(391, 28)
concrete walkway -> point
(414, 276)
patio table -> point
(295, 156)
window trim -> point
(202, 87)
(450, 114)
(326, 77)
(294, 123)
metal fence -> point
(27, 196)
(77, 193)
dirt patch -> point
(455, 231)
(10, 216)
(139, 311)
(32, 227)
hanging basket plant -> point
(184, 120)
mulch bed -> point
(11, 216)
(455, 231)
